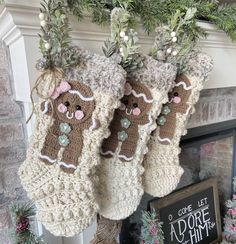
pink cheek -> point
(122, 106)
(79, 115)
(136, 111)
(62, 108)
(177, 100)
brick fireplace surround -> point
(19, 27)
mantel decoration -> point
(92, 151)
(230, 218)
(21, 233)
(151, 230)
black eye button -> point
(125, 102)
(135, 105)
(78, 107)
(176, 94)
(66, 103)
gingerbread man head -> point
(73, 102)
(137, 101)
(180, 94)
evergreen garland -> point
(159, 12)
(151, 230)
(21, 232)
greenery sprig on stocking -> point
(151, 230)
(55, 39)
(172, 43)
(124, 40)
(21, 233)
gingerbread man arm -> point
(91, 124)
(143, 120)
(46, 108)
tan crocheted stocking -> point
(107, 231)
(58, 173)
(121, 170)
(162, 169)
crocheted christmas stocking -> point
(162, 169)
(71, 125)
(107, 231)
(120, 188)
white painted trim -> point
(22, 19)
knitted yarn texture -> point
(120, 172)
(58, 173)
(162, 169)
(107, 231)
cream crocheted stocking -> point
(121, 170)
(58, 173)
(162, 169)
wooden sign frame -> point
(188, 191)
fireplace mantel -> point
(19, 26)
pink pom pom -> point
(79, 115)
(62, 108)
(55, 94)
(64, 86)
(136, 111)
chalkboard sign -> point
(191, 215)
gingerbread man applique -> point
(178, 99)
(132, 113)
(73, 106)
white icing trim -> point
(124, 157)
(68, 166)
(81, 96)
(45, 107)
(163, 139)
(184, 85)
(69, 117)
(171, 100)
(94, 124)
(142, 95)
(189, 108)
(126, 111)
(107, 153)
(52, 161)
(150, 120)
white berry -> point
(43, 23)
(121, 50)
(174, 39)
(41, 16)
(174, 53)
(173, 34)
(126, 38)
(122, 34)
(169, 50)
(47, 46)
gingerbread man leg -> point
(71, 154)
(128, 148)
(109, 146)
(50, 149)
